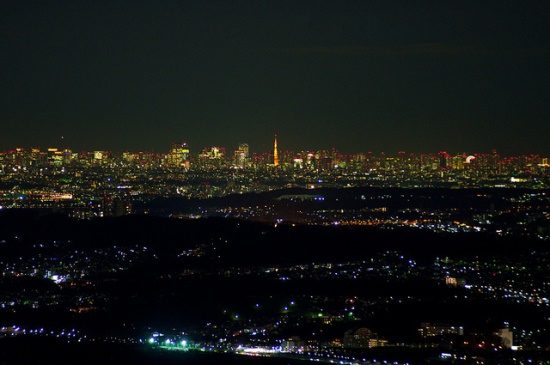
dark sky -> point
(418, 76)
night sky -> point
(418, 76)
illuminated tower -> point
(275, 153)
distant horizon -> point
(252, 150)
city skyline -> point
(412, 76)
(251, 150)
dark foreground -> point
(44, 351)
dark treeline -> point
(248, 243)
(350, 198)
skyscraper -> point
(275, 153)
(240, 158)
(244, 147)
(178, 155)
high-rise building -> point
(240, 158)
(275, 153)
(244, 147)
(178, 155)
(212, 157)
(55, 157)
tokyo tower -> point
(275, 153)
